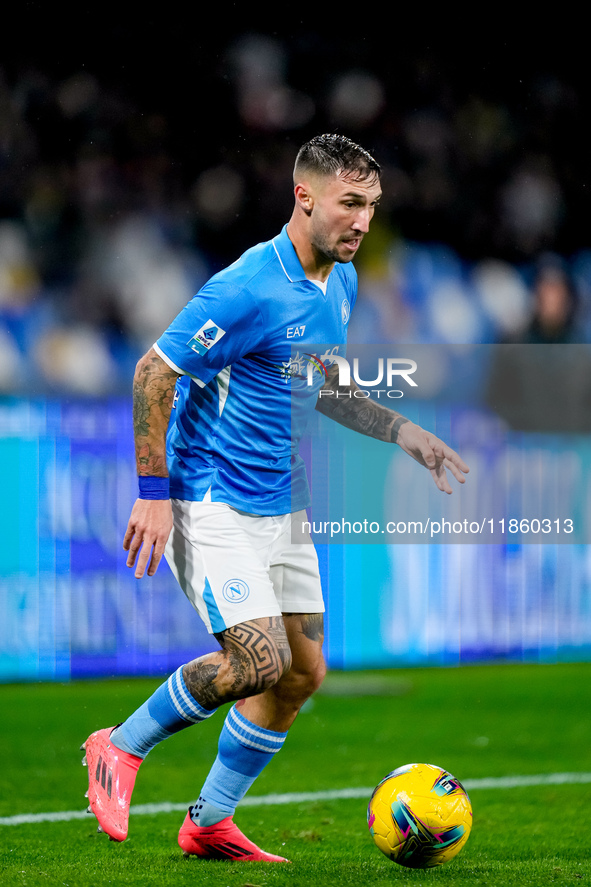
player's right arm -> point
(375, 420)
(150, 522)
(234, 323)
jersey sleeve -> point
(352, 284)
(217, 327)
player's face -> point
(341, 214)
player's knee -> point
(318, 676)
(302, 683)
(312, 679)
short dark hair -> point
(331, 154)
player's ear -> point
(304, 198)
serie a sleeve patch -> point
(206, 337)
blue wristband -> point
(153, 487)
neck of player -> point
(316, 265)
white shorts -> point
(235, 567)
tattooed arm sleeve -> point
(153, 393)
(361, 414)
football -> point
(419, 816)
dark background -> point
(465, 106)
(187, 120)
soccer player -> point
(219, 491)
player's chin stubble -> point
(332, 253)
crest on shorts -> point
(235, 591)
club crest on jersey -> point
(205, 338)
(345, 311)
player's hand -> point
(147, 533)
(433, 453)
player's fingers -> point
(129, 534)
(436, 444)
(142, 561)
(133, 550)
(440, 477)
(135, 544)
(157, 553)
(153, 565)
(456, 460)
(455, 470)
(436, 449)
(428, 454)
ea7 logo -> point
(295, 332)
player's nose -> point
(362, 220)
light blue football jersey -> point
(235, 425)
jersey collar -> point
(288, 258)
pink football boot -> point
(224, 840)
(111, 777)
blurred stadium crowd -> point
(115, 207)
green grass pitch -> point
(478, 722)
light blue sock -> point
(244, 750)
(170, 709)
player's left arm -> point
(361, 414)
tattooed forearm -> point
(141, 410)
(153, 393)
(340, 403)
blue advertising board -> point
(70, 608)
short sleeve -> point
(217, 327)
(352, 284)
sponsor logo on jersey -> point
(295, 332)
(306, 364)
(205, 338)
(235, 591)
